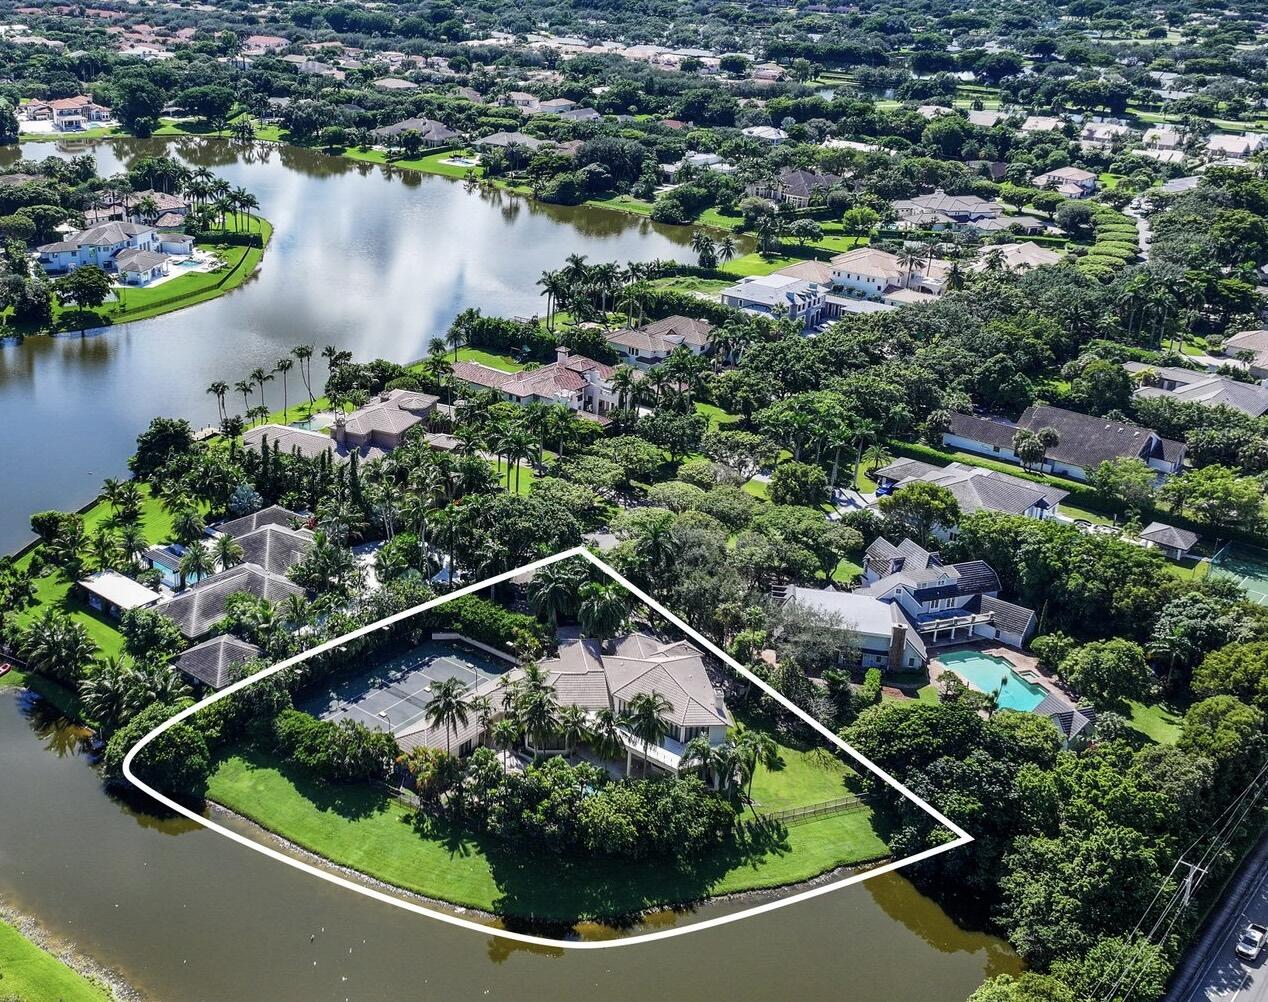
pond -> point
(183, 913)
(373, 260)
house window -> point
(994, 448)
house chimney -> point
(562, 355)
(340, 429)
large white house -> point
(135, 252)
(575, 381)
(68, 114)
(877, 274)
(765, 294)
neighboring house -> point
(1162, 137)
(872, 273)
(140, 267)
(881, 633)
(214, 663)
(698, 161)
(1252, 346)
(371, 431)
(580, 115)
(274, 514)
(1236, 147)
(99, 245)
(1084, 441)
(947, 603)
(1102, 135)
(394, 84)
(761, 294)
(766, 134)
(68, 114)
(975, 489)
(1208, 389)
(505, 140)
(940, 210)
(835, 303)
(555, 106)
(276, 548)
(1016, 257)
(794, 187)
(1041, 123)
(1075, 723)
(1174, 543)
(985, 119)
(113, 594)
(1073, 182)
(431, 132)
(197, 610)
(597, 676)
(259, 45)
(932, 111)
(575, 381)
(652, 343)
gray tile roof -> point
(138, 260)
(276, 548)
(213, 661)
(428, 128)
(1169, 535)
(274, 514)
(1008, 616)
(196, 610)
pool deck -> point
(1026, 665)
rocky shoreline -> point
(69, 955)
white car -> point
(1251, 943)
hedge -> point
(490, 623)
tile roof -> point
(213, 662)
(274, 514)
(1169, 535)
(663, 336)
(137, 260)
(196, 610)
(276, 548)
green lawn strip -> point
(502, 362)
(803, 777)
(521, 483)
(846, 571)
(758, 264)
(367, 830)
(30, 974)
(1156, 721)
(927, 693)
(758, 488)
(716, 415)
(107, 132)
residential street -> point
(1222, 975)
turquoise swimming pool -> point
(990, 674)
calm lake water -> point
(184, 914)
(373, 260)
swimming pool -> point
(991, 674)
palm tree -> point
(245, 201)
(260, 377)
(55, 645)
(304, 355)
(132, 543)
(876, 456)
(218, 389)
(645, 715)
(196, 563)
(228, 551)
(552, 593)
(103, 550)
(602, 609)
(572, 726)
(908, 260)
(243, 387)
(553, 286)
(284, 365)
(625, 379)
(107, 694)
(506, 733)
(726, 248)
(753, 749)
(605, 734)
(448, 707)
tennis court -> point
(1247, 565)
(395, 694)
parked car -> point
(1251, 943)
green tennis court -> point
(1247, 565)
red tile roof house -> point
(68, 114)
(645, 346)
(573, 380)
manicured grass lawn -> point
(429, 164)
(624, 203)
(803, 778)
(693, 283)
(758, 488)
(30, 974)
(372, 833)
(846, 571)
(716, 415)
(1156, 721)
(1190, 568)
(525, 477)
(503, 362)
(758, 264)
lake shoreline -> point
(81, 963)
(615, 924)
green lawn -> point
(30, 974)
(1155, 721)
(370, 832)
(521, 483)
(846, 571)
(758, 488)
(802, 778)
(758, 264)
(716, 415)
(503, 362)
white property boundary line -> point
(962, 837)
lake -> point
(374, 260)
(185, 914)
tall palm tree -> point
(645, 715)
(245, 388)
(103, 550)
(726, 248)
(218, 389)
(602, 609)
(572, 727)
(227, 551)
(754, 749)
(304, 355)
(506, 733)
(55, 645)
(449, 707)
(197, 563)
(605, 734)
(552, 593)
(624, 380)
(107, 694)
(554, 286)
(260, 377)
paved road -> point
(1223, 976)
